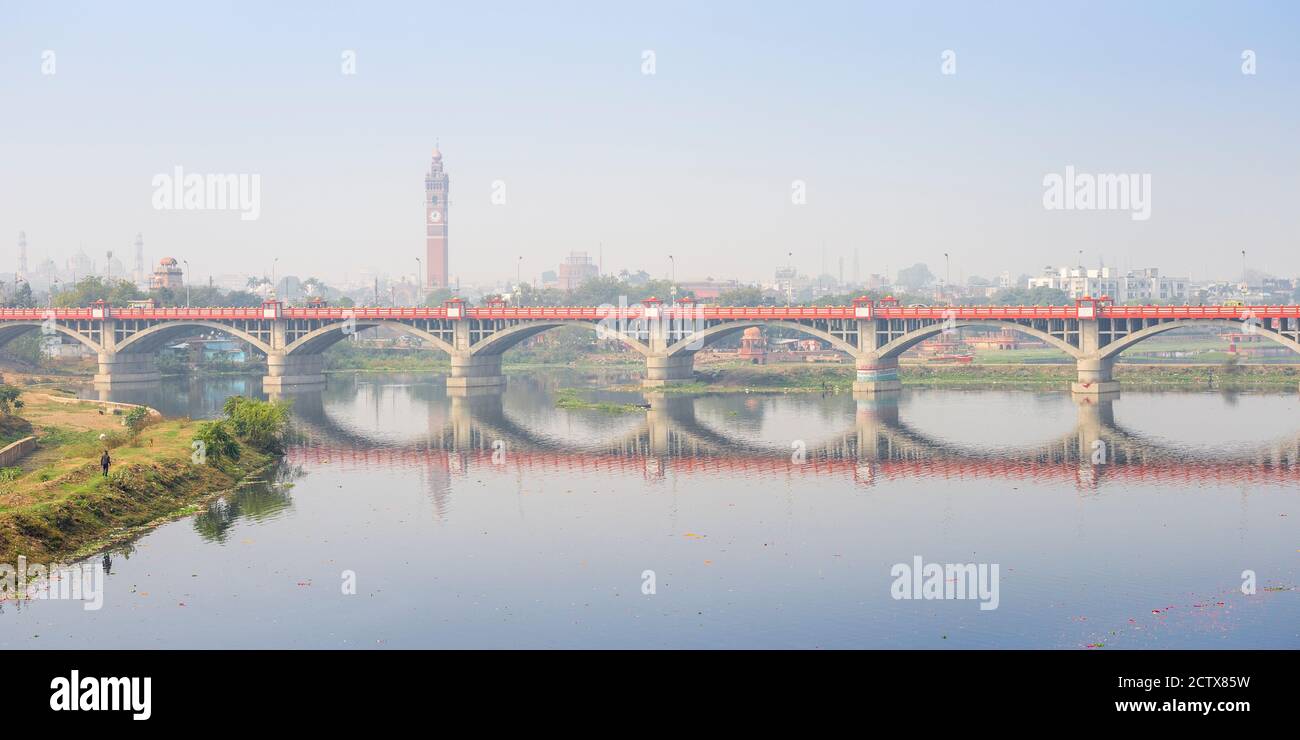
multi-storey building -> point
(1146, 284)
(576, 270)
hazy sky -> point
(900, 161)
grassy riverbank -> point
(56, 504)
(1203, 377)
(570, 398)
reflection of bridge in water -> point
(669, 437)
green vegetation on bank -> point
(734, 377)
(569, 398)
(57, 503)
(1227, 376)
(741, 376)
(563, 347)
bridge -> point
(1093, 332)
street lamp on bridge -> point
(519, 280)
(947, 274)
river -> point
(768, 520)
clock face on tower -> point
(435, 216)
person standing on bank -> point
(104, 462)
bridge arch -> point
(156, 337)
(700, 339)
(911, 339)
(319, 340)
(1113, 349)
(503, 340)
(483, 414)
(11, 330)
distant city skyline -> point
(737, 155)
(578, 266)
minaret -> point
(139, 259)
(435, 223)
(22, 253)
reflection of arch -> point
(907, 341)
(503, 340)
(159, 335)
(319, 340)
(14, 329)
(1119, 345)
(908, 436)
(680, 413)
(672, 428)
(700, 338)
(483, 416)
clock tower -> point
(435, 223)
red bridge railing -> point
(594, 313)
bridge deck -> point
(696, 312)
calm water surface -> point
(768, 520)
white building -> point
(1137, 285)
(1149, 285)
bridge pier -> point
(116, 368)
(1095, 376)
(475, 371)
(876, 375)
(293, 370)
(665, 369)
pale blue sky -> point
(901, 162)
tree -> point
(607, 290)
(94, 288)
(635, 278)
(915, 277)
(1039, 296)
(439, 296)
(9, 399)
(21, 297)
(747, 296)
(527, 295)
(28, 348)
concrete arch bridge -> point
(1093, 332)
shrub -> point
(137, 419)
(260, 423)
(112, 440)
(217, 440)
